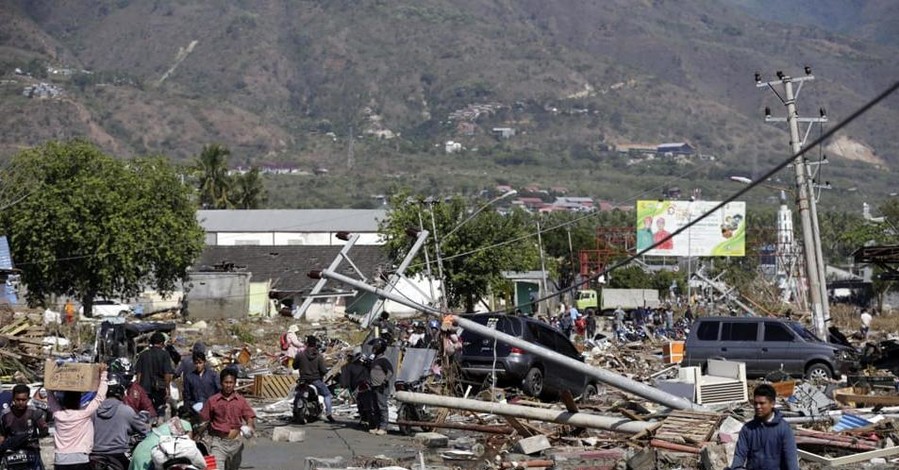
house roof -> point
(291, 220)
(286, 266)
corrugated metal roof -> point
(5, 255)
(291, 220)
(286, 266)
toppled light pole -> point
(397, 276)
(610, 378)
(580, 420)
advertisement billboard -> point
(722, 233)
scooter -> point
(21, 459)
(308, 405)
(410, 412)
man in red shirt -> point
(230, 419)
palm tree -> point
(215, 183)
(249, 192)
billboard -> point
(722, 233)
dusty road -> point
(327, 440)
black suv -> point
(516, 367)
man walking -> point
(154, 372)
(381, 372)
(200, 383)
(312, 368)
(766, 442)
(230, 419)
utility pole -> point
(811, 236)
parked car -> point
(516, 367)
(766, 345)
(105, 308)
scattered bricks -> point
(717, 456)
(532, 445)
(288, 434)
(432, 439)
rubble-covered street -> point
(837, 423)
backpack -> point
(284, 344)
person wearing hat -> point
(154, 371)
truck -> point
(627, 299)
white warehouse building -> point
(280, 227)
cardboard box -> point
(71, 376)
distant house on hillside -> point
(504, 132)
(675, 148)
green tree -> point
(219, 189)
(215, 184)
(475, 249)
(249, 190)
(97, 226)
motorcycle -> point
(308, 405)
(409, 411)
(22, 459)
(183, 463)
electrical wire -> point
(824, 136)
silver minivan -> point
(766, 345)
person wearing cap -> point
(154, 372)
(114, 424)
(200, 383)
(230, 419)
(74, 427)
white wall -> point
(288, 238)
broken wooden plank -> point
(854, 399)
(568, 401)
(518, 427)
(848, 459)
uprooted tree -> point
(92, 225)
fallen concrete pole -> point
(610, 378)
(581, 420)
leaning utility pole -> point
(811, 236)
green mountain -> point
(371, 90)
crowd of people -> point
(123, 425)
